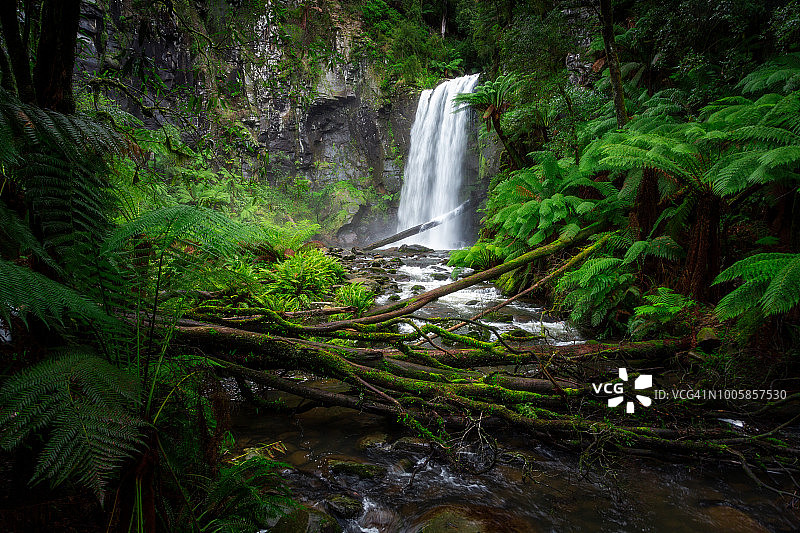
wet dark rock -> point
(472, 302)
(452, 518)
(394, 298)
(438, 276)
(306, 520)
(411, 444)
(414, 249)
(496, 317)
(707, 339)
(519, 458)
(345, 506)
(362, 470)
(405, 464)
(417, 289)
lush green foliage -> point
(305, 277)
(355, 295)
(89, 409)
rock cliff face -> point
(333, 125)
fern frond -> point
(783, 292)
(25, 292)
(86, 403)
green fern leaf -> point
(86, 403)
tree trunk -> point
(607, 23)
(645, 208)
(7, 81)
(18, 55)
(517, 161)
(703, 258)
(55, 58)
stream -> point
(373, 476)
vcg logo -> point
(644, 381)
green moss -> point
(362, 470)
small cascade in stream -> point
(435, 169)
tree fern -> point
(591, 291)
(86, 404)
(781, 73)
(771, 284)
(662, 308)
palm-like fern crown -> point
(772, 280)
(492, 98)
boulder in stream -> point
(414, 249)
(306, 520)
(473, 519)
(345, 506)
(372, 440)
(362, 470)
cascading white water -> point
(435, 168)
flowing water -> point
(434, 172)
(532, 488)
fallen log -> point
(408, 306)
(419, 228)
(563, 268)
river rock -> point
(345, 506)
(438, 276)
(414, 249)
(394, 298)
(362, 470)
(368, 283)
(730, 520)
(417, 289)
(306, 520)
(454, 518)
(372, 440)
(411, 444)
(707, 339)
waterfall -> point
(435, 169)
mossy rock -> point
(438, 276)
(306, 520)
(497, 317)
(405, 464)
(372, 440)
(519, 334)
(462, 519)
(450, 520)
(411, 444)
(707, 339)
(345, 506)
(394, 298)
(417, 289)
(362, 470)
